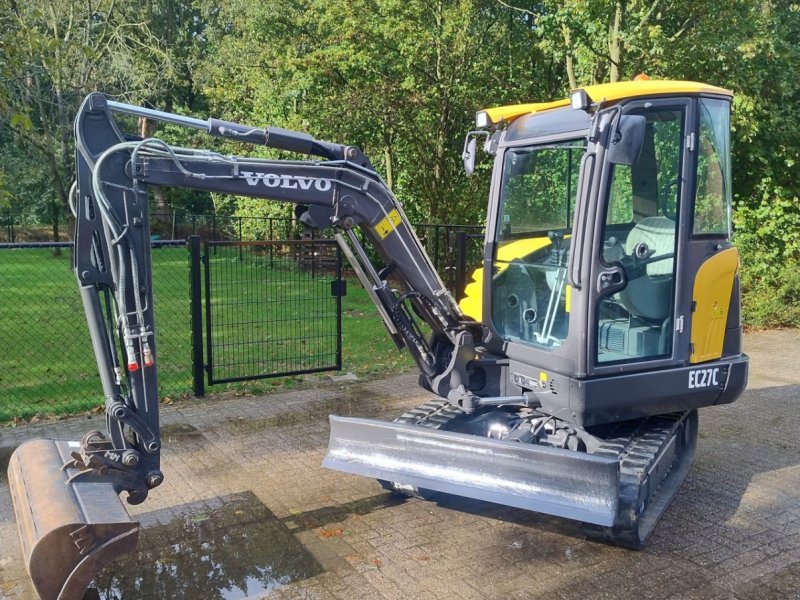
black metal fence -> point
(223, 227)
(272, 309)
(46, 362)
(166, 226)
(455, 250)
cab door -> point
(638, 301)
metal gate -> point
(272, 308)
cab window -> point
(530, 296)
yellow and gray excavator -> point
(606, 312)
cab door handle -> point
(611, 280)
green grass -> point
(47, 365)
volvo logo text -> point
(288, 182)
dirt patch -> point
(357, 403)
(179, 432)
(5, 458)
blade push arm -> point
(113, 265)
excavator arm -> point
(338, 188)
(112, 262)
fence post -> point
(196, 307)
(240, 239)
(461, 263)
(271, 239)
(340, 292)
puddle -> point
(361, 404)
(238, 551)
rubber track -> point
(434, 414)
(638, 445)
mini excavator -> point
(605, 314)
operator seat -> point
(649, 294)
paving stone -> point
(733, 531)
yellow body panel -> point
(509, 113)
(610, 92)
(713, 286)
(472, 302)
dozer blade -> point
(543, 479)
(69, 531)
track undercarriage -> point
(653, 455)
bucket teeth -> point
(69, 531)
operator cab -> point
(594, 264)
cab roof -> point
(610, 92)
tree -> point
(51, 55)
(400, 79)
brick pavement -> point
(247, 512)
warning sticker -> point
(388, 224)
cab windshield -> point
(530, 297)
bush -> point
(770, 293)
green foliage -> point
(253, 217)
(771, 295)
(402, 80)
(51, 55)
(767, 231)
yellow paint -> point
(713, 285)
(388, 224)
(568, 299)
(509, 113)
(506, 252)
(611, 92)
(472, 302)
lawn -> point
(265, 320)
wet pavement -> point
(247, 512)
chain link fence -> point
(47, 365)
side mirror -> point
(627, 140)
(468, 156)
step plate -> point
(68, 531)
(558, 482)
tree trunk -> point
(388, 159)
(439, 145)
(56, 234)
(162, 211)
(615, 43)
(573, 83)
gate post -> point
(196, 307)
